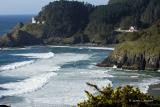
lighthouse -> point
(33, 20)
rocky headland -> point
(141, 54)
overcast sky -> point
(32, 6)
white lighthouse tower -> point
(33, 20)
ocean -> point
(56, 76)
(7, 22)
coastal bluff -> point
(140, 54)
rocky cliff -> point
(22, 35)
(140, 54)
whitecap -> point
(88, 73)
(56, 46)
(43, 65)
(135, 76)
(114, 67)
(37, 55)
(15, 48)
(98, 73)
(28, 85)
(144, 84)
(85, 47)
(15, 65)
(101, 48)
(70, 57)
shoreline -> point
(87, 46)
(154, 89)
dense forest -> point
(138, 50)
(65, 20)
(73, 22)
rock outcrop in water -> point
(140, 54)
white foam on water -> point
(37, 73)
(144, 84)
(58, 46)
(101, 48)
(98, 73)
(68, 88)
(134, 76)
(15, 48)
(71, 57)
(65, 92)
(85, 47)
(43, 65)
(93, 48)
(92, 65)
(15, 65)
(88, 73)
(114, 67)
(28, 85)
(37, 55)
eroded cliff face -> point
(124, 60)
(140, 54)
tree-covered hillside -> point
(73, 22)
(64, 19)
(139, 50)
(121, 14)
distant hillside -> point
(65, 21)
(116, 1)
(73, 22)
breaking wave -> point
(101, 48)
(28, 85)
(58, 46)
(1, 49)
(37, 55)
(15, 65)
(82, 47)
(98, 73)
(144, 85)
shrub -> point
(126, 96)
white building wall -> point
(33, 20)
